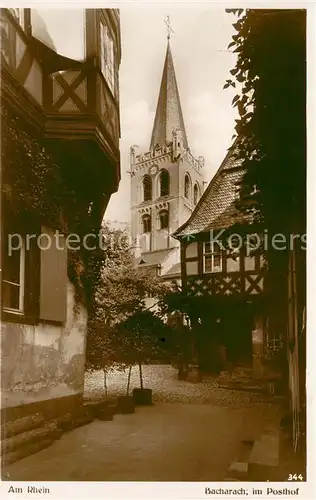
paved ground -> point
(162, 379)
(164, 442)
(169, 441)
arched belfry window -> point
(164, 183)
(146, 222)
(164, 219)
(147, 188)
(195, 194)
(187, 186)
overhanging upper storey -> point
(76, 101)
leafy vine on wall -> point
(35, 184)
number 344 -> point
(295, 477)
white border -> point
(60, 490)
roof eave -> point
(177, 234)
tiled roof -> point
(216, 208)
(174, 270)
(153, 258)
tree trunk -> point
(105, 384)
(141, 375)
(129, 379)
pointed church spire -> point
(168, 113)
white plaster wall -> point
(172, 259)
(44, 361)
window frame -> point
(195, 194)
(31, 269)
(21, 284)
(187, 187)
(107, 56)
(161, 214)
(145, 218)
(149, 188)
(166, 190)
(213, 255)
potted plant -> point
(126, 404)
(142, 336)
(101, 356)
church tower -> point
(166, 181)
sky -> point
(202, 64)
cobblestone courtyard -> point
(163, 380)
(169, 441)
(165, 442)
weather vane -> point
(169, 29)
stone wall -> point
(43, 361)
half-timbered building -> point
(62, 112)
(225, 283)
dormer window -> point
(107, 55)
(147, 188)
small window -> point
(212, 258)
(147, 188)
(146, 220)
(195, 194)
(187, 185)
(107, 55)
(164, 219)
(164, 183)
(13, 282)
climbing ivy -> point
(36, 185)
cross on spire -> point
(169, 29)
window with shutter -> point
(13, 283)
(20, 269)
(53, 277)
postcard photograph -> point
(153, 223)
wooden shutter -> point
(53, 280)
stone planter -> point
(95, 407)
(125, 404)
(194, 375)
(142, 396)
(105, 414)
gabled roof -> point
(216, 208)
(168, 113)
(174, 271)
(154, 258)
